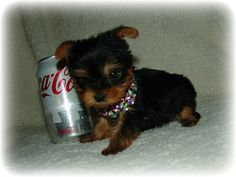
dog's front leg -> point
(120, 142)
(100, 131)
(122, 134)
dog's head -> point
(101, 66)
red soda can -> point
(66, 118)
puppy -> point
(123, 101)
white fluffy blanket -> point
(171, 149)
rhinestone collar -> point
(124, 104)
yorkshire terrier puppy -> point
(123, 101)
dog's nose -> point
(99, 97)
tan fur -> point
(186, 113)
(62, 50)
(79, 73)
(119, 124)
(114, 131)
(88, 97)
(186, 117)
(113, 94)
(119, 139)
(102, 129)
(128, 32)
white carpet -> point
(171, 149)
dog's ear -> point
(63, 49)
(62, 53)
(125, 31)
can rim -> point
(45, 58)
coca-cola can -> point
(66, 118)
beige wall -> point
(191, 40)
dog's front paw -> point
(117, 144)
(112, 150)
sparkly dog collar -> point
(124, 104)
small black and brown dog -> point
(123, 101)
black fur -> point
(162, 96)
(96, 51)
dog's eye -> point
(115, 75)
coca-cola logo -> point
(56, 83)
